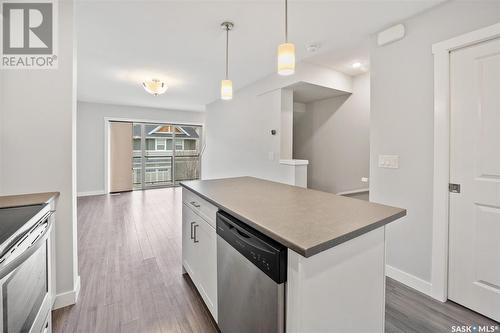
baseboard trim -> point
(410, 280)
(67, 298)
(89, 193)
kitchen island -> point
(336, 248)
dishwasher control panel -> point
(265, 253)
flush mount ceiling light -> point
(356, 65)
(226, 86)
(286, 51)
(155, 87)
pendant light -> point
(286, 51)
(226, 86)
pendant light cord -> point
(227, 51)
(286, 21)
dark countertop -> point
(304, 220)
(27, 199)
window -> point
(171, 154)
(189, 144)
(179, 144)
(137, 143)
(161, 144)
(150, 144)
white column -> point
(286, 131)
(39, 143)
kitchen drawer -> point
(200, 206)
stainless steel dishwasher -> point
(251, 275)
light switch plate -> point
(388, 161)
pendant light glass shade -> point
(226, 90)
(286, 51)
(286, 59)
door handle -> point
(194, 228)
(194, 203)
(454, 188)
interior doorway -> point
(332, 132)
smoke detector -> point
(313, 47)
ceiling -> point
(122, 43)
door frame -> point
(440, 214)
(108, 120)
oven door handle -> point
(9, 267)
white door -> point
(474, 260)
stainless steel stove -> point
(25, 298)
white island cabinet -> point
(341, 289)
(199, 247)
(336, 249)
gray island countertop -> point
(304, 220)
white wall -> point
(1, 128)
(238, 132)
(286, 124)
(402, 124)
(38, 141)
(239, 141)
(90, 146)
(238, 138)
(334, 135)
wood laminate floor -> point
(129, 251)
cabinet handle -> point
(194, 203)
(195, 226)
(192, 229)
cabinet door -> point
(188, 221)
(205, 259)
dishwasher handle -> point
(248, 240)
(246, 234)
